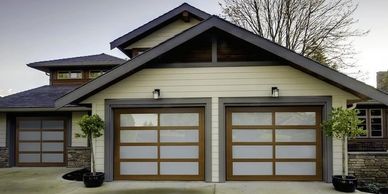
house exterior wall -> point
(164, 33)
(75, 128)
(3, 129)
(216, 82)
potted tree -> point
(343, 124)
(91, 128)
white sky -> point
(39, 30)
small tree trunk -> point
(92, 157)
(343, 157)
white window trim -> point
(370, 123)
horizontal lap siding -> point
(75, 128)
(215, 83)
(163, 34)
(3, 129)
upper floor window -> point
(69, 74)
(372, 122)
(95, 73)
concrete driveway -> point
(48, 180)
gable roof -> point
(90, 60)
(41, 97)
(156, 24)
(297, 61)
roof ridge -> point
(69, 58)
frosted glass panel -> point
(29, 124)
(54, 147)
(178, 151)
(179, 168)
(29, 147)
(53, 124)
(295, 118)
(138, 120)
(252, 118)
(295, 168)
(252, 151)
(251, 135)
(52, 135)
(295, 135)
(27, 158)
(29, 135)
(295, 151)
(138, 168)
(54, 158)
(179, 119)
(179, 136)
(138, 152)
(252, 168)
(146, 136)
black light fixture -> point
(156, 93)
(275, 92)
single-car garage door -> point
(274, 143)
(40, 141)
(159, 144)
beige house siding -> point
(75, 128)
(163, 34)
(3, 129)
(216, 82)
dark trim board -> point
(309, 66)
(127, 38)
(324, 101)
(151, 103)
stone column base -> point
(78, 157)
(4, 162)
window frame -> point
(100, 71)
(381, 122)
(69, 72)
(368, 118)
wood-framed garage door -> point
(40, 141)
(274, 143)
(159, 144)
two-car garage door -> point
(262, 143)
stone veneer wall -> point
(78, 157)
(3, 157)
(369, 167)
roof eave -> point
(335, 77)
(157, 22)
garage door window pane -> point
(179, 136)
(52, 158)
(295, 151)
(295, 168)
(29, 135)
(29, 158)
(295, 118)
(252, 135)
(179, 168)
(52, 147)
(179, 119)
(138, 152)
(252, 151)
(52, 135)
(29, 147)
(131, 136)
(138, 120)
(53, 124)
(29, 124)
(252, 118)
(178, 151)
(295, 135)
(138, 168)
(252, 168)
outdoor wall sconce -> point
(275, 92)
(156, 94)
